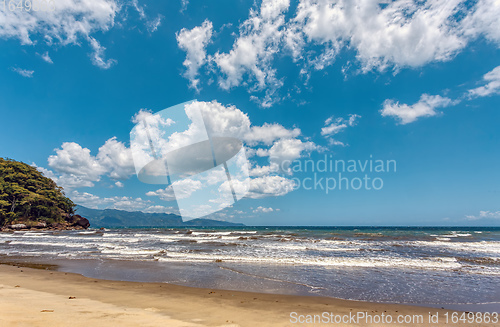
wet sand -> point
(39, 296)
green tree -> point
(26, 195)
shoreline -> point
(50, 296)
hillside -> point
(29, 199)
(113, 218)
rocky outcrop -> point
(70, 222)
(82, 222)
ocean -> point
(456, 268)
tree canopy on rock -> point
(28, 196)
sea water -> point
(430, 266)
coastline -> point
(40, 295)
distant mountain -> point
(119, 218)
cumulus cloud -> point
(389, 35)
(270, 185)
(400, 33)
(285, 151)
(77, 167)
(425, 107)
(492, 87)
(116, 159)
(194, 42)
(24, 72)
(73, 159)
(275, 141)
(66, 181)
(485, 215)
(254, 50)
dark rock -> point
(57, 226)
(80, 221)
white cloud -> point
(399, 33)
(264, 170)
(128, 203)
(116, 202)
(77, 166)
(89, 200)
(261, 209)
(154, 24)
(231, 121)
(45, 56)
(72, 159)
(485, 215)
(24, 72)
(151, 24)
(65, 23)
(194, 42)
(160, 209)
(284, 151)
(273, 140)
(70, 22)
(119, 184)
(66, 181)
(98, 55)
(337, 125)
(389, 34)
(166, 194)
(185, 187)
(484, 21)
(184, 5)
(425, 107)
(254, 50)
(116, 159)
(492, 87)
(266, 186)
(268, 133)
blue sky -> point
(417, 83)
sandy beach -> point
(45, 297)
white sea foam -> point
(430, 263)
